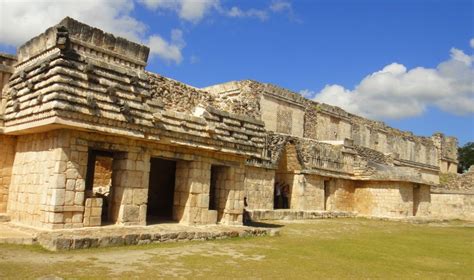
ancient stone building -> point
(88, 137)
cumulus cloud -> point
(190, 10)
(22, 20)
(281, 6)
(307, 93)
(237, 12)
(397, 92)
(169, 51)
(195, 10)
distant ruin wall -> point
(281, 117)
(329, 123)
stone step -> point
(11, 234)
(289, 214)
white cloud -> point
(255, 13)
(190, 10)
(306, 93)
(21, 20)
(195, 10)
(397, 92)
(169, 51)
(280, 6)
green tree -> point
(466, 157)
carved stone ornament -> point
(22, 75)
(40, 98)
(89, 68)
(124, 108)
(16, 106)
(62, 38)
(30, 85)
(91, 101)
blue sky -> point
(408, 63)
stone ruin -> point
(88, 137)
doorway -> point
(326, 194)
(416, 199)
(217, 191)
(161, 190)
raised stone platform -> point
(107, 236)
(289, 214)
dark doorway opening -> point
(213, 195)
(161, 190)
(218, 191)
(326, 194)
(416, 199)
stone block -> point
(96, 212)
(140, 196)
(58, 197)
(69, 198)
(131, 213)
(70, 184)
(79, 198)
(95, 221)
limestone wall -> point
(329, 127)
(308, 193)
(329, 123)
(259, 187)
(281, 116)
(192, 194)
(391, 199)
(65, 192)
(452, 206)
(7, 153)
(341, 195)
(37, 191)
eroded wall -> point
(308, 192)
(452, 206)
(281, 116)
(341, 195)
(259, 187)
(7, 153)
(38, 180)
(391, 199)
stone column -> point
(233, 196)
(191, 198)
(130, 178)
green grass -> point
(335, 249)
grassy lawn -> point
(336, 249)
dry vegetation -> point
(337, 249)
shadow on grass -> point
(262, 225)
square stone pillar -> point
(191, 197)
(233, 196)
(130, 178)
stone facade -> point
(89, 138)
(392, 199)
(7, 152)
